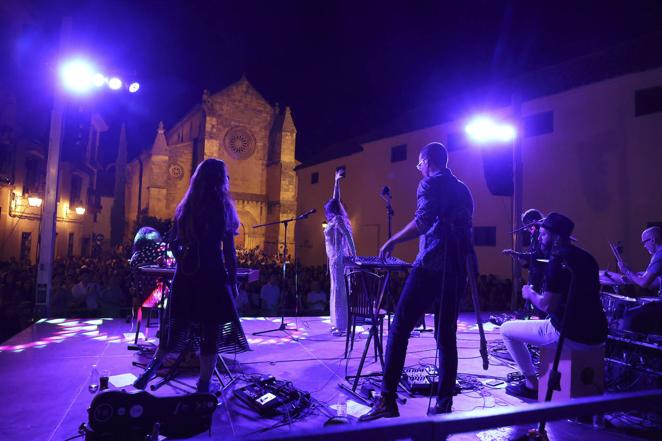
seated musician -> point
(570, 287)
(146, 252)
(532, 258)
(646, 318)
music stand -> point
(286, 222)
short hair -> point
(435, 153)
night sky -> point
(344, 67)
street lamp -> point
(485, 131)
(77, 76)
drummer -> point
(646, 318)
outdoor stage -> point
(45, 373)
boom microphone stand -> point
(283, 325)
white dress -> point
(337, 247)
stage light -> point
(115, 83)
(77, 75)
(99, 80)
(483, 129)
(80, 210)
(133, 87)
(35, 201)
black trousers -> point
(423, 289)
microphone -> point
(308, 213)
(386, 193)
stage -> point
(45, 373)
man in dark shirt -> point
(647, 318)
(443, 222)
(570, 288)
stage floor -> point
(45, 371)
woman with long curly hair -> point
(201, 306)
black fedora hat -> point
(558, 223)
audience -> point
(104, 286)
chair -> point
(364, 290)
(582, 371)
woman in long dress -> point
(201, 306)
(339, 243)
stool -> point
(582, 371)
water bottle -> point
(341, 410)
(94, 380)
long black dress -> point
(201, 302)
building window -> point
(70, 245)
(538, 124)
(76, 188)
(399, 153)
(35, 176)
(6, 163)
(314, 178)
(26, 246)
(647, 101)
(485, 236)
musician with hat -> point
(570, 287)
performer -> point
(202, 302)
(532, 259)
(339, 243)
(646, 318)
(443, 219)
(570, 286)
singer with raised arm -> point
(339, 243)
(648, 317)
(442, 221)
(201, 305)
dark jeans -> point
(423, 289)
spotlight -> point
(99, 80)
(115, 83)
(80, 210)
(483, 129)
(77, 75)
(133, 87)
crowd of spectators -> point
(101, 286)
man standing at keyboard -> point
(442, 220)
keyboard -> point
(376, 262)
(243, 274)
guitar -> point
(134, 416)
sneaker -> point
(520, 390)
(383, 408)
(338, 333)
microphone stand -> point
(286, 222)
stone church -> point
(255, 139)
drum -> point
(615, 307)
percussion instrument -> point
(610, 278)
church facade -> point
(255, 139)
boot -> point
(443, 405)
(384, 407)
(148, 374)
(203, 387)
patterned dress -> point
(337, 247)
(201, 302)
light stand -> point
(286, 222)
